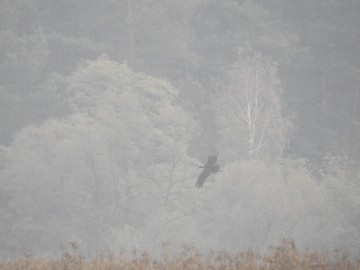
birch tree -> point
(249, 114)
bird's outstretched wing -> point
(202, 177)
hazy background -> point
(107, 108)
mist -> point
(109, 108)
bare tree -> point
(251, 108)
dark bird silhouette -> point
(209, 167)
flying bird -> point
(209, 167)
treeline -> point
(193, 44)
(107, 109)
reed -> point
(285, 256)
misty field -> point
(221, 125)
(283, 256)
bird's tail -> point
(199, 184)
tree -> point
(221, 29)
(341, 177)
(160, 36)
(322, 88)
(117, 160)
(253, 203)
(248, 112)
(28, 93)
(24, 59)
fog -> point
(108, 109)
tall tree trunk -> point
(170, 180)
(354, 150)
(323, 94)
(130, 21)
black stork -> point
(209, 167)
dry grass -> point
(284, 256)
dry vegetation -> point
(284, 256)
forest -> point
(108, 108)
